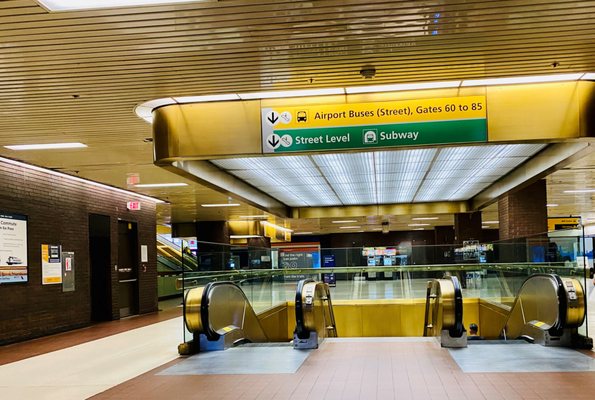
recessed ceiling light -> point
(159, 185)
(551, 205)
(485, 227)
(522, 79)
(491, 222)
(221, 205)
(423, 218)
(349, 227)
(402, 87)
(346, 221)
(580, 191)
(291, 93)
(46, 146)
(71, 5)
(418, 229)
(418, 224)
(303, 233)
(281, 228)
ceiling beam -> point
(552, 158)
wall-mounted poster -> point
(13, 248)
(51, 264)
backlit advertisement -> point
(13, 248)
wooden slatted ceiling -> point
(111, 60)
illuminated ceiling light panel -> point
(350, 227)
(206, 98)
(302, 233)
(347, 221)
(291, 93)
(580, 191)
(589, 76)
(72, 5)
(491, 222)
(424, 218)
(160, 185)
(278, 227)
(522, 79)
(46, 146)
(402, 87)
(551, 205)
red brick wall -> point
(524, 212)
(58, 213)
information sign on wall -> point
(13, 248)
(374, 125)
(557, 223)
(51, 264)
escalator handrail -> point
(300, 329)
(458, 328)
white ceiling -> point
(380, 177)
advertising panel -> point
(51, 264)
(13, 248)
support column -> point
(467, 226)
(524, 212)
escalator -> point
(548, 310)
(220, 316)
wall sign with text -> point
(13, 248)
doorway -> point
(128, 268)
(100, 264)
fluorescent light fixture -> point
(580, 191)
(589, 76)
(423, 218)
(71, 5)
(303, 233)
(418, 229)
(160, 185)
(291, 93)
(347, 221)
(221, 205)
(522, 79)
(244, 236)
(551, 205)
(253, 216)
(207, 98)
(485, 227)
(280, 228)
(77, 179)
(402, 87)
(491, 222)
(350, 227)
(46, 146)
(418, 224)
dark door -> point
(128, 268)
(100, 262)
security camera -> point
(368, 72)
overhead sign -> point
(374, 125)
(557, 223)
(13, 248)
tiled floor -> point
(123, 359)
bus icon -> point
(302, 116)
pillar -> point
(524, 212)
(467, 226)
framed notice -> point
(13, 248)
(51, 264)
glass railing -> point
(493, 272)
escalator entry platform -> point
(520, 356)
(244, 359)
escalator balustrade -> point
(314, 314)
(444, 312)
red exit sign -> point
(133, 205)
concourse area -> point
(257, 199)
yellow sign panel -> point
(554, 224)
(388, 112)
